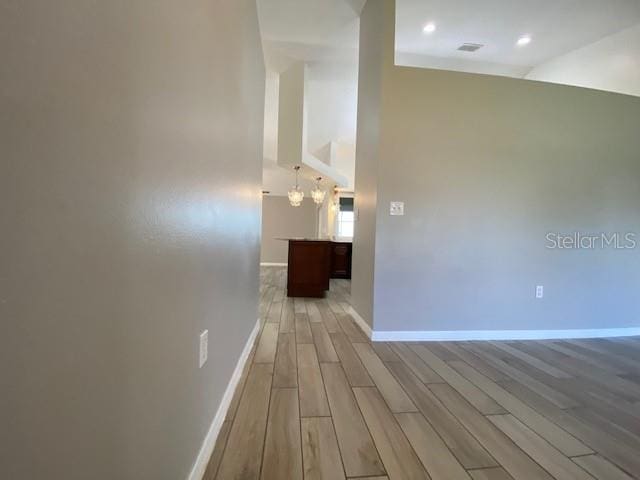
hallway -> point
(318, 400)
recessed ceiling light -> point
(429, 28)
(524, 40)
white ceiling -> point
(309, 30)
(323, 30)
(320, 22)
(555, 26)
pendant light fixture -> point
(295, 194)
(334, 200)
(317, 194)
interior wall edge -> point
(362, 323)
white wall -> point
(612, 64)
(329, 98)
(327, 215)
(332, 100)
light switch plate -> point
(539, 291)
(396, 208)
(204, 347)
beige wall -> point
(130, 177)
(291, 116)
(281, 220)
(376, 56)
(487, 166)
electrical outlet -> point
(396, 208)
(539, 291)
(204, 347)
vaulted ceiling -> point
(324, 34)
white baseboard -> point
(360, 321)
(468, 335)
(271, 264)
(197, 472)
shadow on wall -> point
(281, 220)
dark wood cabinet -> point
(309, 268)
(312, 263)
(340, 260)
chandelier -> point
(317, 194)
(295, 194)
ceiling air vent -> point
(470, 47)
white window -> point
(345, 224)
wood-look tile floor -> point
(318, 400)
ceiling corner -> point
(356, 5)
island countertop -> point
(319, 239)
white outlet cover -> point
(204, 348)
(396, 208)
(539, 291)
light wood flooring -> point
(318, 400)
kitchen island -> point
(313, 262)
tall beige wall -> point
(281, 220)
(487, 167)
(291, 116)
(376, 58)
(130, 177)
